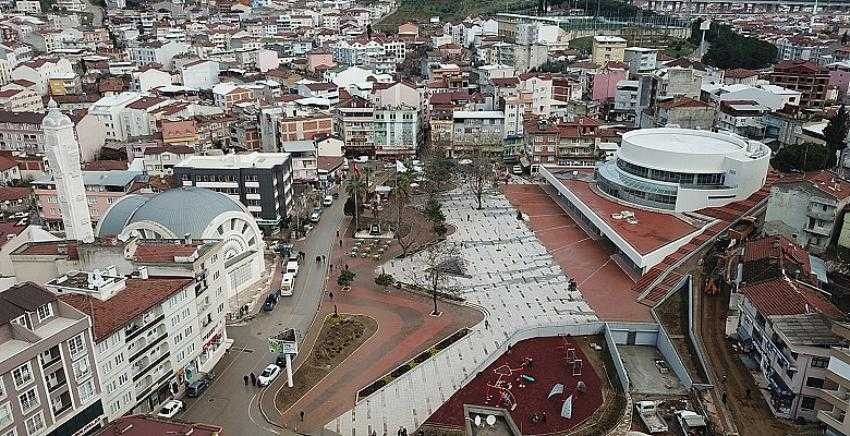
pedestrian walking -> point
(245, 378)
(340, 243)
(301, 414)
(253, 379)
(337, 233)
(323, 258)
(331, 296)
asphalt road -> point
(228, 402)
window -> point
(81, 369)
(35, 424)
(22, 375)
(6, 415)
(820, 362)
(119, 358)
(44, 311)
(814, 382)
(86, 390)
(29, 400)
(77, 345)
(21, 320)
(807, 403)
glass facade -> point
(702, 179)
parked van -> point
(329, 200)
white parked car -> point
(361, 159)
(328, 200)
(170, 409)
(268, 375)
(286, 284)
(292, 268)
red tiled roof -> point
(683, 102)
(10, 193)
(163, 252)
(8, 230)
(146, 425)
(139, 296)
(824, 181)
(740, 73)
(49, 248)
(105, 165)
(785, 297)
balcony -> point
(834, 419)
(838, 398)
(148, 345)
(819, 230)
(819, 213)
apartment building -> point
(19, 100)
(808, 209)
(47, 374)
(395, 132)
(108, 111)
(562, 143)
(742, 117)
(21, 132)
(607, 49)
(40, 70)
(260, 181)
(369, 52)
(477, 132)
(810, 79)
(153, 334)
(836, 416)
(784, 322)
(354, 123)
(103, 189)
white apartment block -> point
(108, 111)
(39, 71)
(367, 53)
(154, 335)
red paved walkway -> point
(602, 283)
(503, 378)
(404, 330)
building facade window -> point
(22, 375)
(28, 400)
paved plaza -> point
(509, 275)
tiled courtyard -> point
(511, 276)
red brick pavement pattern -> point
(602, 283)
(405, 329)
(550, 366)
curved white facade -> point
(684, 170)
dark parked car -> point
(196, 388)
(271, 301)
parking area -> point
(648, 372)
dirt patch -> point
(338, 338)
(613, 401)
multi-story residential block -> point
(742, 117)
(108, 111)
(103, 189)
(684, 112)
(260, 181)
(21, 131)
(607, 49)
(160, 161)
(836, 389)
(149, 77)
(476, 132)
(153, 334)
(47, 373)
(640, 60)
(369, 52)
(158, 52)
(808, 209)
(304, 160)
(354, 123)
(562, 143)
(200, 74)
(799, 48)
(18, 100)
(395, 131)
(227, 95)
(785, 320)
(810, 79)
(39, 71)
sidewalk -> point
(252, 295)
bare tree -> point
(442, 263)
(404, 232)
(479, 175)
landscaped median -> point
(410, 364)
(339, 337)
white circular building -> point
(684, 170)
(198, 214)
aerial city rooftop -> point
(431, 218)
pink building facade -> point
(103, 189)
(605, 84)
